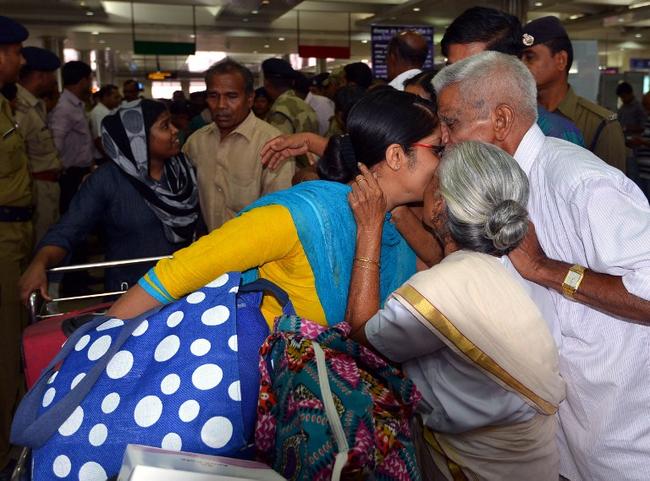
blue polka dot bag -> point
(183, 377)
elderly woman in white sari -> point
(466, 331)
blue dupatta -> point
(327, 232)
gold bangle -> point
(367, 260)
(370, 267)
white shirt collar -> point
(398, 82)
(100, 107)
(529, 148)
(72, 98)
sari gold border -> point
(455, 470)
(445, 327)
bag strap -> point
(599, 131)
(342, 445)
(265, 285)
(30, 429)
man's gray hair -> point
(488, 79)
(486, 193)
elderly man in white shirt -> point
(590, 247)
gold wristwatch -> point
(572, 280)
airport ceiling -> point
(255, 29)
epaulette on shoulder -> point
(600, 111)
(22, 108)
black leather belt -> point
(15, 214)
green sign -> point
(164, 48)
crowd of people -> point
(479, 224)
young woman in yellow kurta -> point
(264, 237)
(303, 238)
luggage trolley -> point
(47, 332)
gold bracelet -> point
(367, 260)
(370, 267)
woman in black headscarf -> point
(145, 200)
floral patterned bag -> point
(329, 408)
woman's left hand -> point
(367, 201)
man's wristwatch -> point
(572, 280)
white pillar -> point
(185, 87)
(518, 8)
(105, 67)
(55, 45)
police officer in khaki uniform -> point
(15, 234)
(548, 53)
(37, 77)
(289, 113)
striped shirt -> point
(71, 131)
(589, 213)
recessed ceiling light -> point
(364, 41)
(266, 45)
(638, 35)
(254, 51)
(621, 19)
(265, 2)
(281, 39)
(416, 9)
(539, 4)
(90, 13)
(192, 35)
(639, 4)
(95, 33)
(574, 17)
(254, 12)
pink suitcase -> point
(47, 333)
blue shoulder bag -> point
(181, 377)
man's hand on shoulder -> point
(529, 258)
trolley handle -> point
(36, 301)
(93, 265)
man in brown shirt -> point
(37, 77)
(226, 152)
(15, 236)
